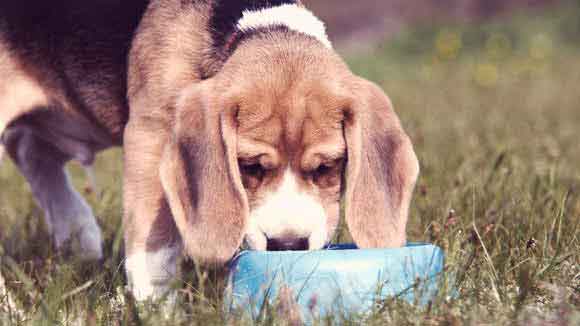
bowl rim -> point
(345, 248)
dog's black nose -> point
(282, 244)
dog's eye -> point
(252, 173)
(326, 174)
(328, 167)
(255, 169)
(323, 169)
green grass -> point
(493, 111)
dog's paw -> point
(83, 241)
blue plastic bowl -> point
(340, 279)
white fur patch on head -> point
(288, 212)
(149, 274)
(294, 17)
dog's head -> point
(267, 149)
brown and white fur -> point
(237, 119)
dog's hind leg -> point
(40, 142)
(68, 216)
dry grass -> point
(493, 111)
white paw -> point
(150, 273)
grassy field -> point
(493, 111)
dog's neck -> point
(234, 21)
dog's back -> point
(71, 55)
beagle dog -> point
(239, 123)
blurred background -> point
(364, 22)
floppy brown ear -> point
(381, 171)
(201, 178)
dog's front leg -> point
(152, 242)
